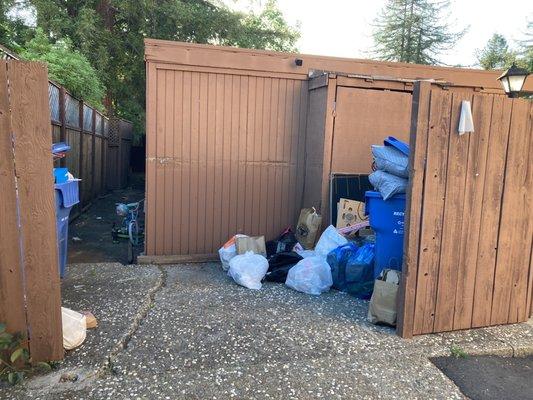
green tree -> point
(110, 34)
(13, 30)
(414, 31)
(67, 67)
(496, 54)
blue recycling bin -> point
(387, 220)
(67, 196)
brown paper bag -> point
(382, 308)
(308, 227)
(256, 244)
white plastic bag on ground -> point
(228, 251)
(311, 275)
(74, 328)
(329, 240)
(248, 269)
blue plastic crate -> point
(69, 193)
(387, 220)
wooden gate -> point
(30, 297)
(469, 220)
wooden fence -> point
(469, 214)
(100, 146)
(30, 298)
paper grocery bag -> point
(256, 244)
(382, 308)
(308, 227)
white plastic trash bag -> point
(466, 122)
(329, 240)
(74, 328)
(312, 275)
(248, 269)
(228, 251)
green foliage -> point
(110, 33)
(458, 352)
(66, 66)
(13, 356)
(496, 54)
(13, 30)
(414, 31)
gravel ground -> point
(189, 332)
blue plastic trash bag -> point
(352, 269)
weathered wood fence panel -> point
(29, 266)
(469, 214)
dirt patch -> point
(94, 228)
(490, 377)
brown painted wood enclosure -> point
(236, 143)
(469, 219)
(30, 298)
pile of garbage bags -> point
(334, 261)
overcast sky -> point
(344, 27)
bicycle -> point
(130, 225)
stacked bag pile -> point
(392, 168)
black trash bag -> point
(284, 243)
(279, 265)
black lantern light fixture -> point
(513, 80)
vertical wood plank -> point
(187, 163)
(203, 128)
(159, 160)
(473, 199)
(177, 215)
(12, 310)
(491, 210)
(168, 164)
(249, 156)
(234, 156)
(413, 215)
(453, 216)
(226, 161)
(518, 214)
(32, 144)
(242, 132)
(263, 183)
(328, 146)
(195, 161)
(432, 214)
(211, 154)
(218, 162)
(151, 117)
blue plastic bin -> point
(67, 195)
(387, 220)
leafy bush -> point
(67, 67)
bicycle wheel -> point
(133, 232)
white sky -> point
(343, 27)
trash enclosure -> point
(238, 141)
(232, 146)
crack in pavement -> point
(142, 312)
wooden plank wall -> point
(29, 278)
(225, 154)
(469, 214)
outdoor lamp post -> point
(513, 80)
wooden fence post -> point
(62, 128)
(30, 119)
(413, 213)
(81, 169)
(12, 310)
(93, 154)
(102, 157)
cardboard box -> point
(350, 212)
